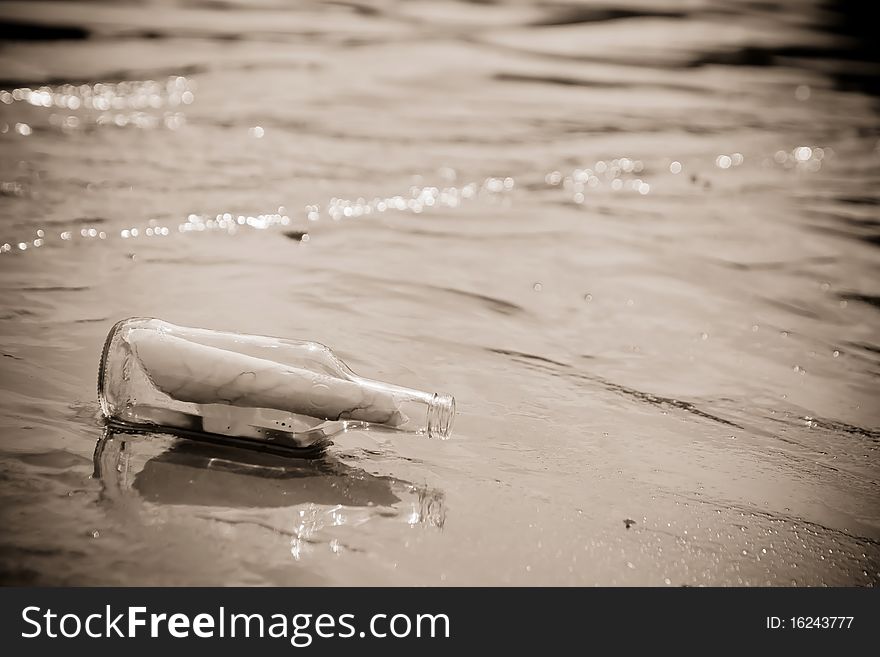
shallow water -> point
(638, 242)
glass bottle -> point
(288, 394)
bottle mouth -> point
(441, 416)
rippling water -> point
(637, 240)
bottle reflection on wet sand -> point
(138, 469)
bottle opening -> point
(441, 416)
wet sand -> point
(637, 241)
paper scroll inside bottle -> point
(196, 373)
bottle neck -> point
(429, 413)
(441, 415)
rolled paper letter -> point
(192, 372)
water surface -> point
(636, 240)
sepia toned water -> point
(636, 240)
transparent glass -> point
(281, 393)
